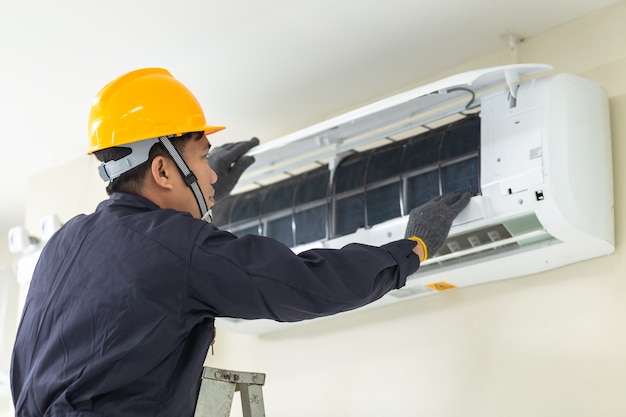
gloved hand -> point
(229, 162)
(431, 222)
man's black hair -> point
(132, 180)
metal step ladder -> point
(217, 390)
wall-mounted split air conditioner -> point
(536, 155)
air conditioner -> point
(534, 151)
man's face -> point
(195, 155)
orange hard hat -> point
(144, 104)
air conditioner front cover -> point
(545, 194)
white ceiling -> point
(262, 68)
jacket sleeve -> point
(256, 277)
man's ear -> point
(161, 171)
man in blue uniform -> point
(120, 311)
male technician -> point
(120, 311)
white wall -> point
(8, 318)
(551, 344)
(8, 324)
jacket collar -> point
(127, 199)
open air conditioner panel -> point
(365, 188)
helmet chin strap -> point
(208, 216)
(190, 179)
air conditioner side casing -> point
(545, 155)
(549, 155)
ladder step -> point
(217, 390)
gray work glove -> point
(229, 162)
(431, 222)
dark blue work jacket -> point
(120, 311)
